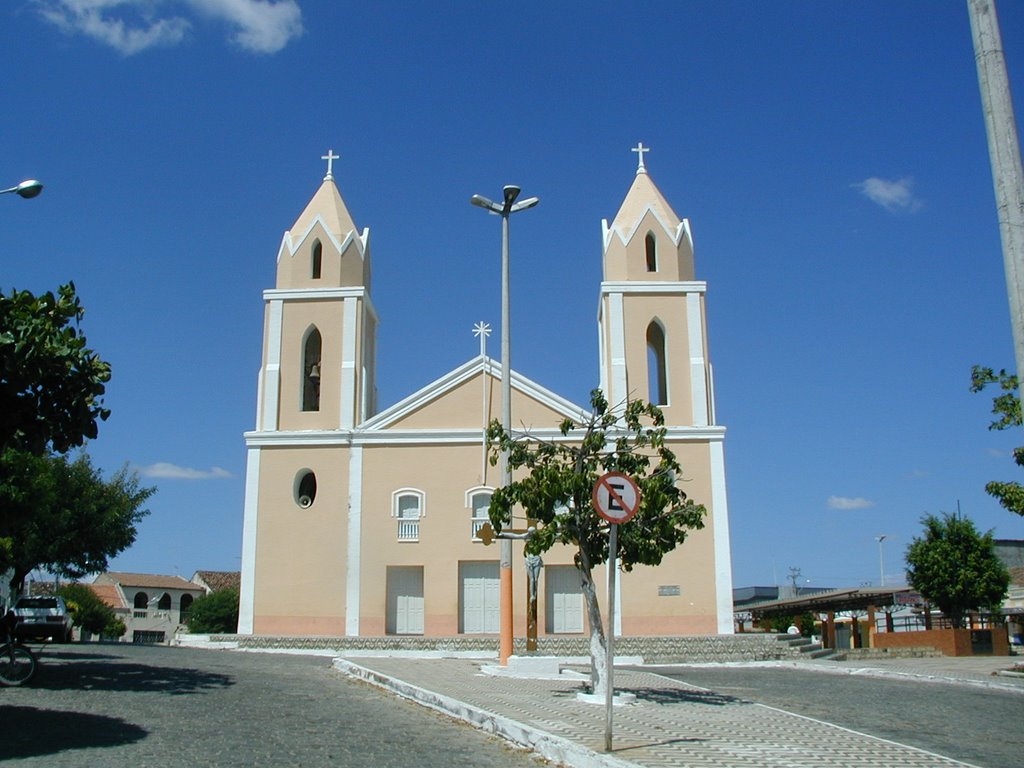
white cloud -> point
(131, 26)
(846, 502)
(163, 469)
(261, 26)
(891, 195)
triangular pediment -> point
(469, 397)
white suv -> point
(42, 616)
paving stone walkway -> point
(671, 723)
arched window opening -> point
(408, 508)
(164, 603)
(140, 604)
(305, 489)
(318, 255)
(186, 608)
(651, 246)
(311, 372)
(657, 375)
(479, 503)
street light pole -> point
(881, 560)
(27, 189)
(505, 209)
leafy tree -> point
(51, 383)
(215, 613)
(557, 492)
(89, 612)
(61, 515)
(955, 568)
(1006, 407)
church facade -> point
(361, 521)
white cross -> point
(483, 330)
(640, 149)
(330, 157)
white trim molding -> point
(618, 381)
(353, 562)
(272, 370)
(247, 591)
(698, 375)
(653, 287)
(348, 405)
(720, 529)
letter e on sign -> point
(616, 497)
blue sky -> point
(831, 158)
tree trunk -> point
(598, 642)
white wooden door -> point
(564, 599)
(479, 596)
(405, 600)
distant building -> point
(155, 606)
(364, 522)
(1011, 552)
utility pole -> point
(1004, 155)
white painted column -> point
(353, 564)
(698, 378)
(348, 403)
(616, 327)
(720, 529)
(247, 591)
(272, 372)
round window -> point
(305, 488)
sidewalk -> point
(671, 723)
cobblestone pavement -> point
(672, 723)
(122, 705)
(976, 720)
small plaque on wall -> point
(669, 590)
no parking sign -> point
(616, 497)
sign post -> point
(616, 498)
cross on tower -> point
(330, 157)
(640, 149)
(482, 330)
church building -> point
(362, 521)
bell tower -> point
(653, 343)
(320, 326)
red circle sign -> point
(616, 497)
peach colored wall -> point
(671, 311)
(328, 317)
(445, 541)
(444, 473)
(295, 270)
(462, 408)
(301, 553)
(629, 261)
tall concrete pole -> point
(1004, 154)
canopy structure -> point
(837, 601)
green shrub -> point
(216, 613)
(89, 612)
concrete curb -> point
(554, 748)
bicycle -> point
(17, 662)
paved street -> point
(974, 724)
(134, 706)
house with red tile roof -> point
(215, 581)
(155, 607)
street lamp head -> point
(522, 205)
(511, 192)
(27, 189)
(482, 202)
